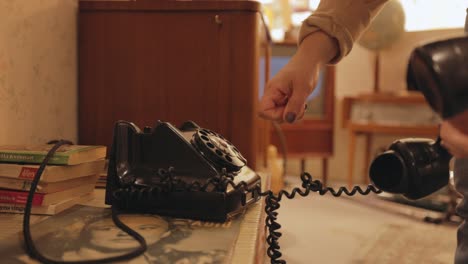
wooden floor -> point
(325, 229)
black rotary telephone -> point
(177, 172)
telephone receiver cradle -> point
(177, 172)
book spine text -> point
(12, 197)
(32, 158)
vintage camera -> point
(419, 167)
(187, 172)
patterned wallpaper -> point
(38, 71)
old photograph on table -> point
(88, 233)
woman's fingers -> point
(273, 103)
(295, 107)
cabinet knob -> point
(218, 20)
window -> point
(434, 14)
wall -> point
(38, 80)
(354, 74)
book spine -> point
(11, 208)
(48, 209)
(22, 185)
(12, 197)
(18, 208)
(32, 158)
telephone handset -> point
(157, 170)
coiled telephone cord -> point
(272, 201)
(169, 183)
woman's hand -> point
(454, 134)
(286, 93)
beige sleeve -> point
(344, 20)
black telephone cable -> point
(31, 248)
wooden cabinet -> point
(144, 61)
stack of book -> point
(70, 177)
(102, 179)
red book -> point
(40, 199)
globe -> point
(386, 27)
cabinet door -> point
(241, 41)
(170, 65)
(177, 74)
(148, 66)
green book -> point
(65, 155)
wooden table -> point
(368, 130)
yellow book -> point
(52, 173)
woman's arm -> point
(343, 20)
(325, 37)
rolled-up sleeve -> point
(343, 20)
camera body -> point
(180, 172)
